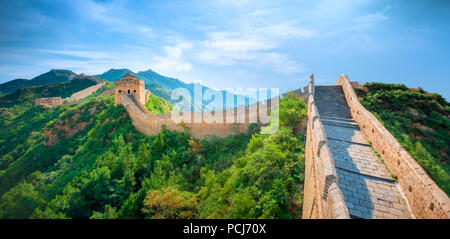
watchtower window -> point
(128, 91)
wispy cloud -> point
(88, 55)
(115, 18)
(258, 47)
(173, 60)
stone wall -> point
(302, 93)
(85, 93)
(425, 198)
(322, 196)
(131, 86)
(48, 101)
(198, 124)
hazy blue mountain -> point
(53, 76)
(152, 77)
(114, 74)
(159, 85)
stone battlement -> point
(130, 84)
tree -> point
(169, 203)
(19, 202)
(109, 213)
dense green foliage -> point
(159, 91)
(418, 120)
(108, 170)
(157, 105)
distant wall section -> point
(50, 101)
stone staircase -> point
(368, 187)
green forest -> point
(420, 121)
(157, 105)
(86, 160)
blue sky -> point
(235, 44)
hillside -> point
(157, 105)
(86, 160)
(24, 98)
(53, 76)
(420, 121)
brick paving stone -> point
(368, 188)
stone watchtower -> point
(130, 84)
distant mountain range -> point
(148, 76)
(53, 76)
(159, 85)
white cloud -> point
(224, 48)
(257, 47)
(280, 63)
(78, 53)
(173, 61)
(287, 30)
(369, 20)
(114, 17)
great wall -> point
(130, 93)
(354, 168)
(345, 178)
(51, 101)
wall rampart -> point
(322, 196)
(198, 124)
(425, 198)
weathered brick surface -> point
(85, 93)
(323, 197)
(129, 84)
(425, 198)
(365, 182)
(193, 122)
(48, 101)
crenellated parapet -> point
(130, 84)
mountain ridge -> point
(52, 76)
(161, 86)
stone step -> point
(338, 119)
(340, 123)
(366, 183)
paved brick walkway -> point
(368, 188)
